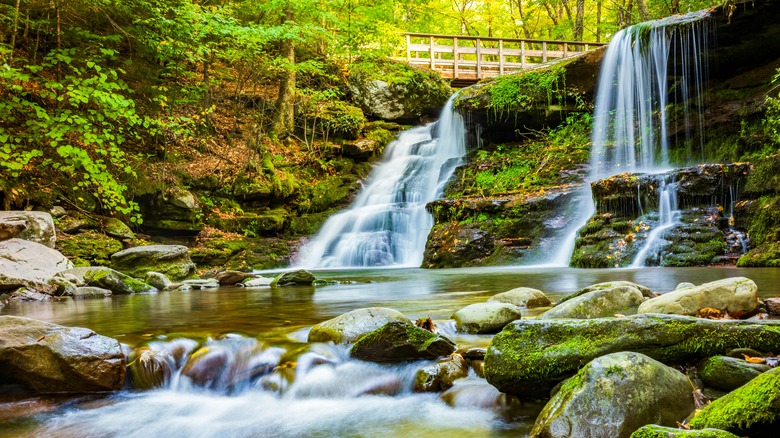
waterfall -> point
(387, 225)
(631, 130)
(668, 216)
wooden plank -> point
(479, 58)
(455, 58)
(431, 53)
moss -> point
(334, 119)
(323, 194)
(92, 248)
(766, 255)
(655, 431)
(755, 404)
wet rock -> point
(399, 341)
(35, 226)
(158, 280)
(50, 358)
(728, 373)
(472, 353)
(210, 283)
(27, 263)
(522, 297)
(87, 292)
(209, 367)
(301, 277)
(441, 375)
(27, 294)
(117, 229)
(772, 305)
(655, 431)
(750, 410)
(598, 303)
(646, 292)
(116, 282)
(257, 282)
(684, 285)
(149, 369)
(350, 326)
(476, 393)
(64, 288)
(614, 395)
(487, 317)
(171, 260)
(735, 295)
(530, 356)
(231, 278)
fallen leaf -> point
(749, 359)
(41, 338)
(683, 426)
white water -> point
(630, 125)
(668, 217)
(388, 225)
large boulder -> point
(350, 326)
(614, 395)
(35, 226)
(530, 356)
(27, 263)
(750, 410)
(489, 317)
(735, 295)
(50, 358)
(728, 373)
(398, 341)
(599, 303)
(116, 282)
(522, 297)
(171, 260)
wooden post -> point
(522, 54)
(544, 51)
(408, 48)
(479, 60)
(565, 50)
(455, 58)
(500, 57)
(430, 51)
(586, 47)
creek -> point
(333, 398)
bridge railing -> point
(470, 58)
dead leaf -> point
(426, 324)
(683, 426)
(699, 399)
(709, 312)
(41, 338)
(749, 359)
(619, 315)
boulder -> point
(75, 222)
(441, 375)
(171, 260)
(530, 356)
(487, 317)
(736, 295)
(598, 303)
(116, 282)
(399, 341)
(150, 368)
(350, 326)
(772, 305)
(117, 229)
(257, 282)
(157, 280)
(301, 277)
(27, 263)
(26, 294)
(35, 226)
(64, 287)
(750, 410)
(209, 283)
(728, 373)
(476, 393)
(614, 395)
(231, 278)
(646, 292)
(50, 358)
(89, 248)
(684, 285)
(176, 212)
(655, 431)
(87, 292)
(522, 297)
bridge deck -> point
(465, 59)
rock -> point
(441, 375)
(684, 285)
(209, 367)
(487, 317)
(89, 248)
(174, 212)
(598, 303)
(57, 211)
(150, 368)
(26, 294)
(301, 277)
(728, 373)
(350, 326)
(750, 410)
(27, 263)
(735, 295)
(116, 282)
(64, 288)
(171, 260)
(257, 282)
(50, 358)
(87, 292)
(117, 229)
(475, 393)
(655, 431)
(614, 395)
(398, 341)
(522, 297)
(231, 278)
(530, 356)
(35, 226)
(773, 305)
(157, 280)
(210, 283)
(646, 292)
(76, 222)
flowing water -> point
(388, 225)
(668, 217)
(327, 393)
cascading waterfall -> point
(632, 112)
(388, 224)
(668, 216)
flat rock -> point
(87, 292)
(350, 326)
(51, 358)
(487, 317)
(35, 226)
(231, 278)
(171, 260)
(736, 295)
(209, 283)
(27, 263)
(522, 297)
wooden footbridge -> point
(467, 59)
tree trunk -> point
(16, 26)
(643, 12)
(579, 27)
(520, 11)
(283, 123)
(598, 21)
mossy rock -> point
(171, 260)
(750, 410)
(117, 229)
(529, 357)
(728, 373)
(398, 341)
(335, 119)
(656, 431)
(351, 326)
(766, 255)
(736, 295)
(115, 281)
(91, 247)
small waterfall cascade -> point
(668, 217)
(649, 70)
(736, 241)
(387, 225)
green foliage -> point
(772, 120)
(523, 91)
